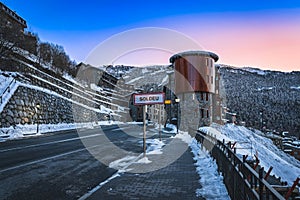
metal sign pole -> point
(159, 122)
(144, 135)
(147, 99)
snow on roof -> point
(195, 53)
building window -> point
(202, 113)
(207, 61)
(212, 80)
(207, 97)
(202, 97)
(207, 78)
(207, 114)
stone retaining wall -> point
(22, 109)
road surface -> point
(58, 165)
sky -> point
(251, 33)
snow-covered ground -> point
(30, 130)
(212, 186)
(252, 142)
(210, 179)
(4, 81)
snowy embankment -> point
(252, 142)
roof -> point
(12, 14)
(195, 53)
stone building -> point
(13, 30)
(197, 88)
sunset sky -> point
(263, 34)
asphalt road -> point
(58, 165)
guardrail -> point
(241, 180)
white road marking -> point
(55, 142)
(45, 159)
(115, 175)
(121, 129)
(47, 143)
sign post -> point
(159, 122)
(145, 128)
(144, 100)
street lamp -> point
(37, 107)
(177, 100)
(169, 73)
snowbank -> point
(210, 180)
(251, 142)
(212, 186)
(21, 131)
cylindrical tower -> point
(195, 78)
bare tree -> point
(9, 38)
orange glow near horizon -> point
(265, 44)
(265, 40)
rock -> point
(10, 113)
(22, 103)
(18, 121)
(18, 102)
(26, 120)
(9, 119)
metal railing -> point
(241, 180)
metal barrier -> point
(241, 180)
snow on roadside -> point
(184, 136)
(122, 163)
(144, 160)
(212, 186)
(155, 146)
(21, 131)
(210, 180)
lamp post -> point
(169, 73)
(37, 107)
(177, 100)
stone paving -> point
(178, 180)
